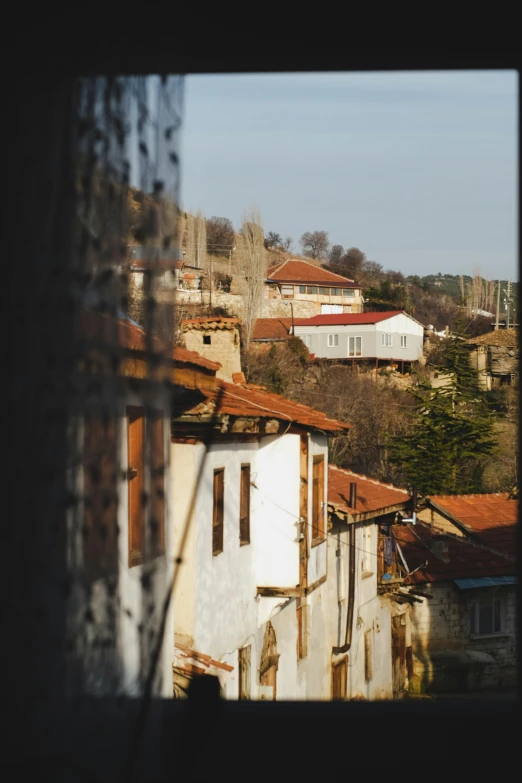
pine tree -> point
(452, 433)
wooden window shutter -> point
(218, 511)
(136, 437)
(318, 499)
(244, 663)
(244, 506)
(368, 662)
(339, 680)
(100, 461)
(157, 505)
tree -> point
(353, 260)
(220, 236)
(315, 244)
(252, 267)
(287, 244)
(371, 272)
(452, 433)
(336, 253)
(272, 239)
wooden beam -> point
(315, 585)
(281, 592)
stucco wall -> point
(224, 348)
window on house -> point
(307, 339)
(244, 663)
(348, 292)
(244, 506)
(218, 514)
(339, 679)
(318, 521)
(302, 289)
(337, 291)
(287, 291)
(366, 555)
(355, 346)
(100, 461)
(485, 616)
(368, 656)
(324, 291)
(206, 339)
(333, 340)
(403, 341)
(386, 340)
(146, 491)
(302, 618)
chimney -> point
(353, 495)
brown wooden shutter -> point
(100, 484)
(244, 506)
(157, 505)
(244, 662)
(368, 656)
(339, 680)
(135, 434)
(218, 511)
(318, 499)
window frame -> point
(318, 500)
(403, 341)
(244, 504)
(332, 340)
(340, 667)
(386, 340)
(474, 624)
(244, 667)
(354, 337)
(218, 512)
(349, 292)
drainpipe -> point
(351, 593)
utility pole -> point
(498, 304)
(508, 302)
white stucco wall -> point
(126, 608)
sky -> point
(417, 170)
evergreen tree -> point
(452, 433)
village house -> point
(495, 357)
(367, 628)
(301, 281)
(391, 337)
(462, 559)
(271, 330)
(250, 475)
(215, 338)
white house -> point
(250, 480)
(363, 631)
(392, 336)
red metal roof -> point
(247, 400)
(346, 319)
(465, 559)
(304, 272)
(272, 329)
(372, 495)
(492, 517)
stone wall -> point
(224, 348)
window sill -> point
(317, 541)
(367, 574)
(480, 636)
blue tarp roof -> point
(485, 581)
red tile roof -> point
(492, 517)
(251, 401)
(210, 322)
(304, 272)
(205, 661)
(182, 355)
(465, 559)
(372, 495)
(346, 319)
(272, 329)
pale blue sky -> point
(418, 170)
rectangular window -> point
(337, 291)
(244, 506)
(386, 340)
(100, 486)
(339, 679)
(302, 289)
(333, 340)
(355, 346)
(287, 291)
(318, 521)
(349, 292)
(307, 339)
(324, 291)
(218, 514)
(484, 616)
(244, 663)
(403, 341)
(207, 339)
(145, 484)
(368, 656)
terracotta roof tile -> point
(304, 272)
(465, 559)
(346, 319)
(372, 495)
(499, 337)
(246, 400)
(492, 517)
(272, 329)
(210, 322)
(184, 356)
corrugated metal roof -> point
(485, 581)
(348, 319)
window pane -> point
(486, 617)
(358, 345)
(313, 289)
(302, 289)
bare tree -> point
(315, 244)
(287, 244)
(336, 253)
(273, 239)
(190, 239)
(251, 261)
(371, 272)
(220, 236)
(200, 239)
